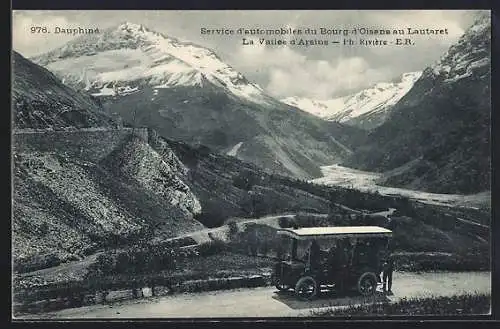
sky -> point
(319, 72)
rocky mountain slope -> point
(437, 137)
(40, 100)
(188, 93)
(365, 109)
(67, 205)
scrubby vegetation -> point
(226, 187)
(215, 266)
(136, 261)
(150, 259)
(74, 197)
(249, 249)
(38, 261)
(455, 305)
(440, 261)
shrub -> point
(233, 227)
(44, 228)
(436, 261)
(285, 222)
(123, 262)
(211, 248)
(151, 258)
(211, 215)
(36, 262)
(103, 266)
(242, 181)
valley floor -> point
(367, 181)
(267, 302)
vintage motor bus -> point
(362, 250)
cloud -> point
(321, 79)
(290, 73)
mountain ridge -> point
(366, 109)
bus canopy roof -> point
(336, 232)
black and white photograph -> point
(183, 164)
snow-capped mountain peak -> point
(128, 55)
(128, 26)
(377, 99)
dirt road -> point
(267, 302)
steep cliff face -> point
(160, 174)
(41, 100)
(442, 125)
(66, 206)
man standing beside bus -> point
(388, 268)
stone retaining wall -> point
(104, 297)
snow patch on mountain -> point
(105, 91)
(234, 150)
(379, 98)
